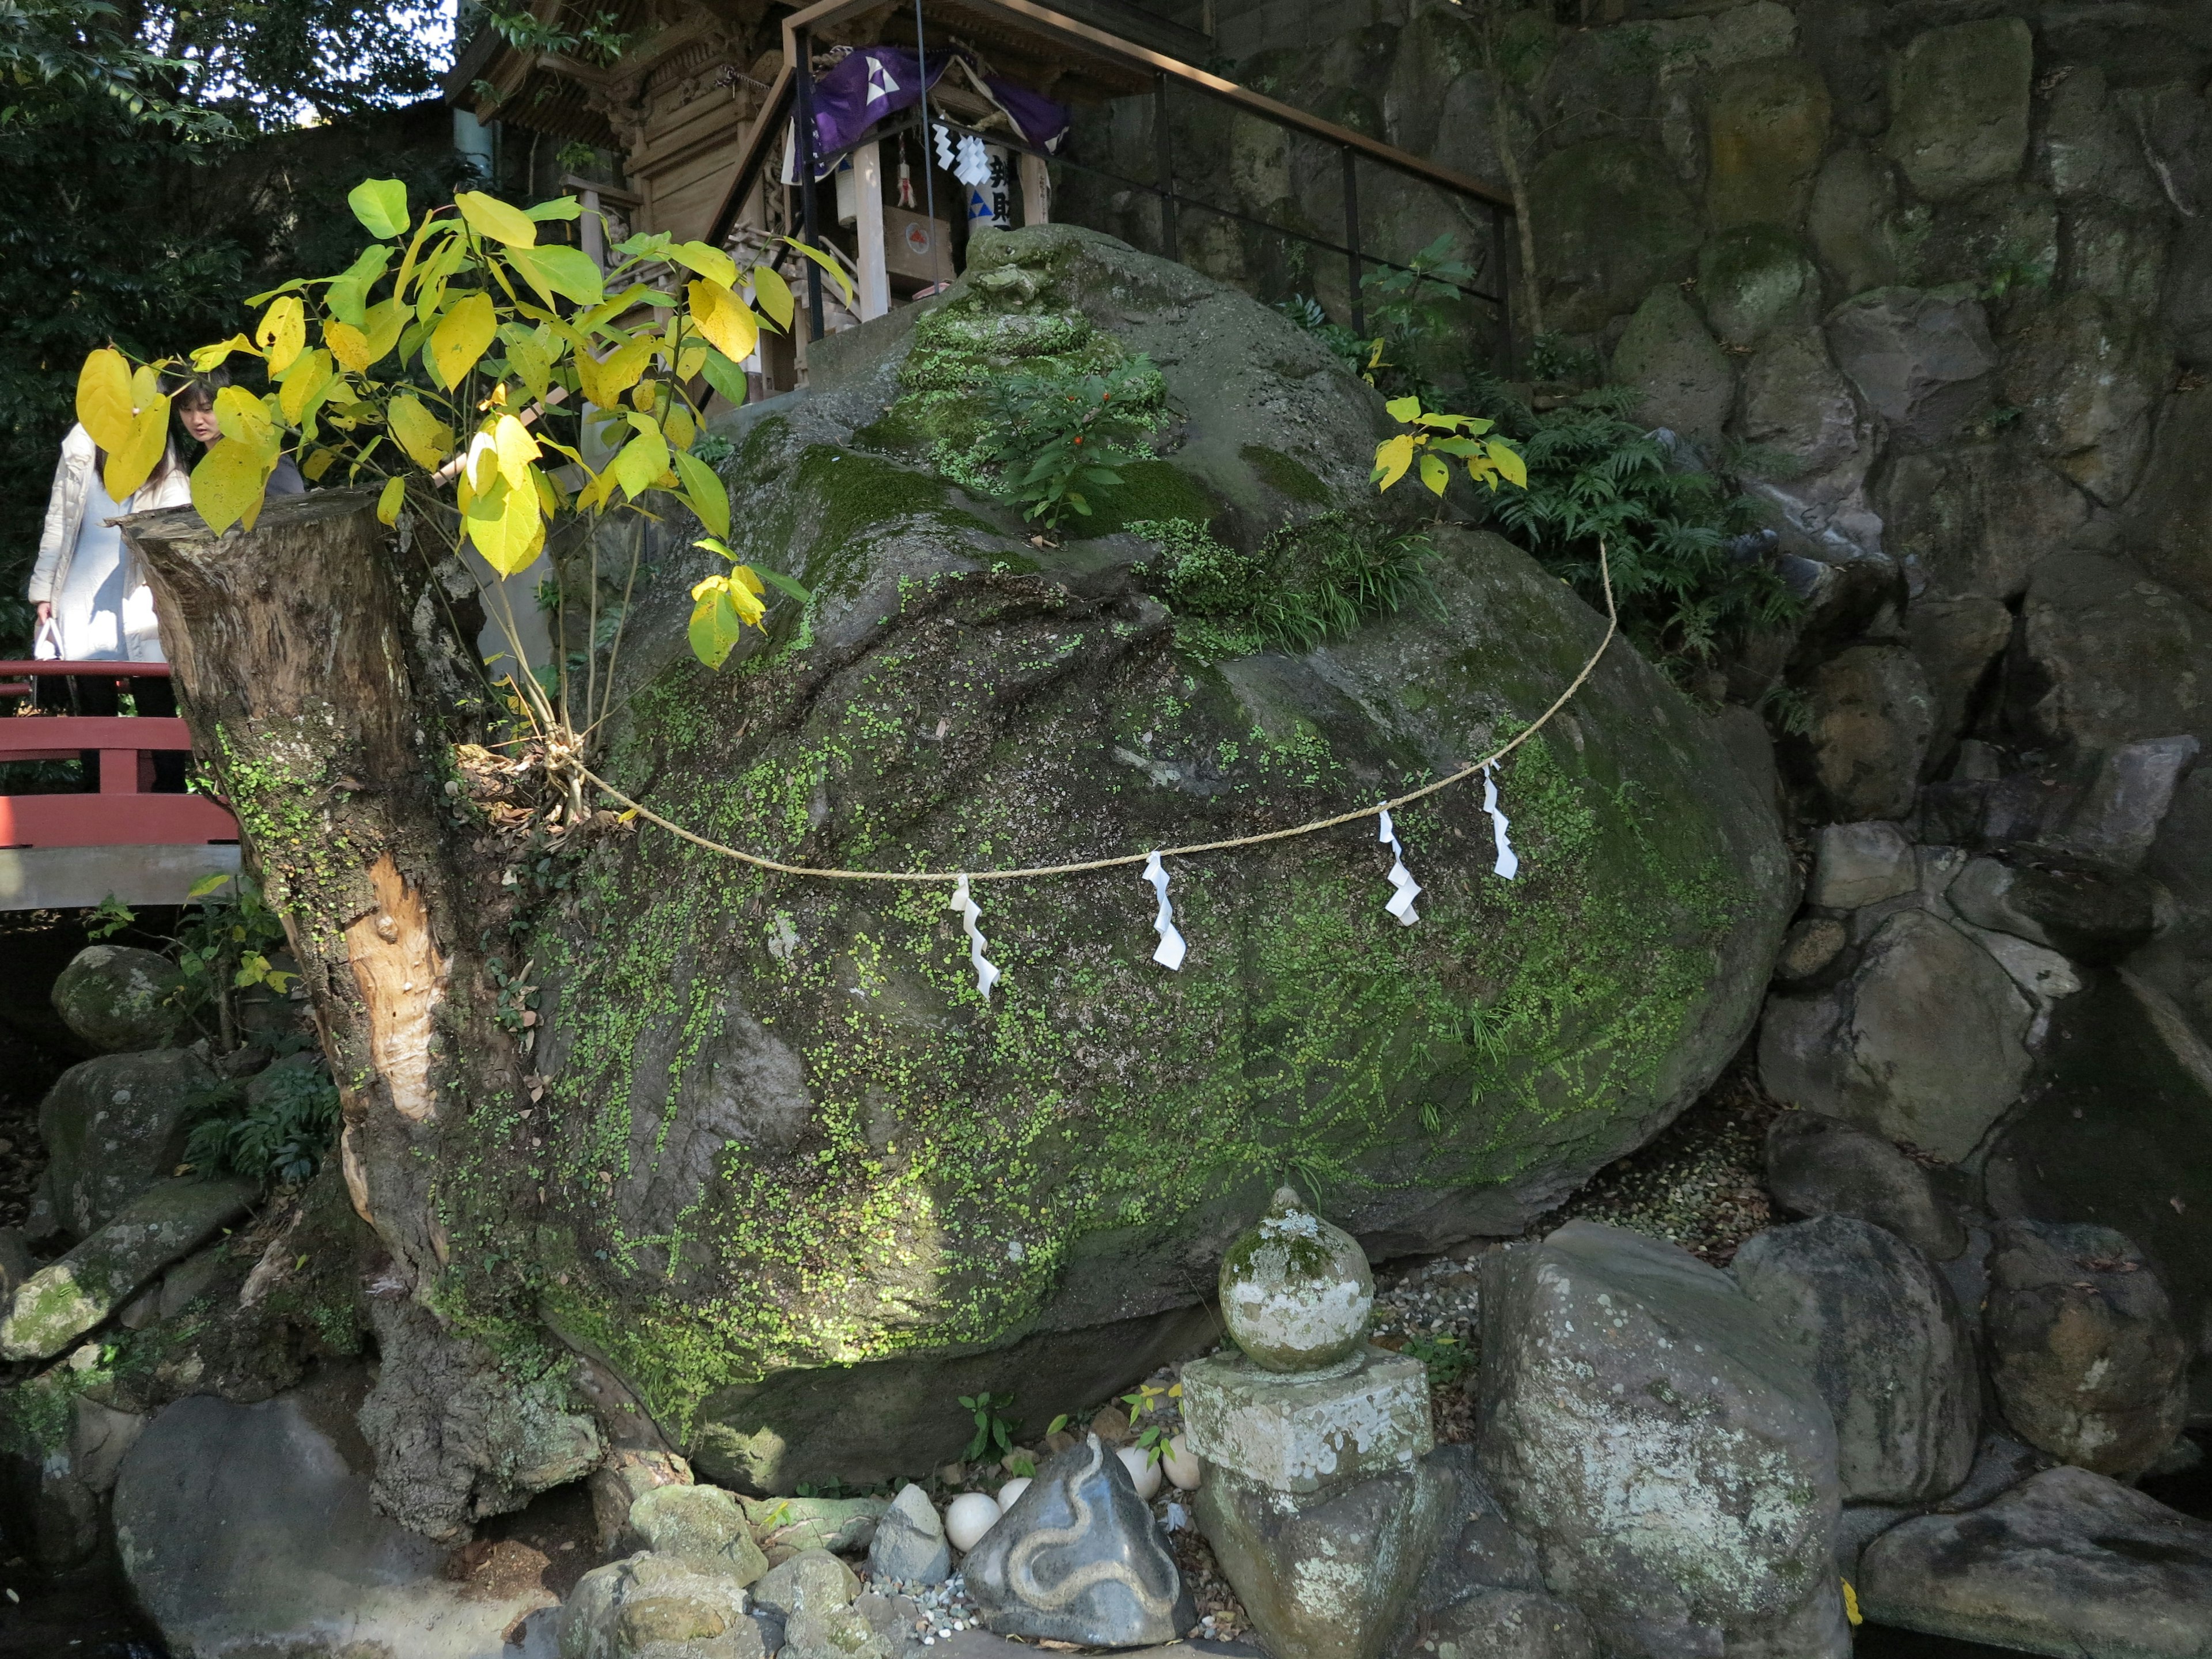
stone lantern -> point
(1317, 1500)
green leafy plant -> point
(108, 918)
(226, 946)
(1449, 1359)
(1151, 1401)
(994, 1432)
(276, 1128)
(1432, 436)
(1552, 357)
(1412, 315)
(1307, 583)
(1690, 579)
(1057, 442)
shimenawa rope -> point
(924, 877)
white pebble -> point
(1010, 1491)
(1142, 1470)
(967, 1517)
(1182, 1465)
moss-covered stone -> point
(796, 1161)
(1614, 224)
(1959, 95)
(1766, 124)
(1754, 279)
(1686, 381)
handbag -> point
(47, 642)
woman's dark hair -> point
(194, 388)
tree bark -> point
(304, 657)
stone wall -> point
(1947, 268)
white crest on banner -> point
(987, 972)
(1509, 861)
(1402, 902)
(1170, 954)
(881, 82)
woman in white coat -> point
(89, 590)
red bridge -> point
(60, 851)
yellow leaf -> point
(1404, 408)
(643, 460)
(1435, 474)
(244, 419)
(532, 362)
(462, 336)
(709, 496)
(507, 527)
(132, 464)
(489, 216)
(1851, 1604)
(226, 485)
(386, 320)
(773, 295)
(727, 321)
(104, 407)
(318, 463)
(606, 379)
(283, 332)
(690, 362)
(426, 439)
(304, 384)
(682, 431)
(206, 357)
(644, 397)
(388, 504)
(517, 450)
(145, 385)
(1392, 458)
(709, 261)
(827, 262)
(1508, 461)
(348, 344)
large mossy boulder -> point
(806, 1185)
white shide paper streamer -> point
(1509, 861)
(1402, 902)
(1170, 954)
(987, 972)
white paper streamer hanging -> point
(1509, 861)
(1170, 954)
(1402, 902)
(987, 974)
(944, 146)
(973, 168)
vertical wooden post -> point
(1352, 237)
(803, 82)
(875, 294)
(592, 230)
(1036, 191)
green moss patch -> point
(1284, 475)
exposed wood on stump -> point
(313, 700)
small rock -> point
(832, 1633)
(621, 1478)
(63, 1301)
(2117, 819)
(2068, 1562)
(1182, 1465)
(1295, 1291)
(1144, 1472)
(113, 1126)
(1111, 1425)
(2084, 1352)
(118, 998)
(700, 1525)
(1078, 1558)
(1819, 1165)
(841, 1524)
(1860, 864)
(1873, 720)
(1807, 948)
(1887, 1345)
(969, 1516)
(910, 1546)
(654, 1607)
(813, 1578)
(2074, 905)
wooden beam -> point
(1051, 25)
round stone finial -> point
(1295, 1291)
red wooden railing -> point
(125, 812)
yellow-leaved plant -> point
(1435, 435)
(432, 361)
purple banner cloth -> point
(879, 81)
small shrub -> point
(278, 1130)
(1054, 443)
(1307, 584)
(1690, 575)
